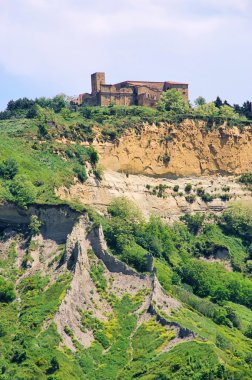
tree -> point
(173, 101)
(245, 109)
(227, 111)
(34, 225)
(200, 101)
(218, 102)
(22, 192)
(207, 109)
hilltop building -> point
(127, 93)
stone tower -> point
(96, 80)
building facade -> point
(127, 93)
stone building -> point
(127, 93)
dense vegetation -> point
(216, 301)
(205, 263)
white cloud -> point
(62, 41)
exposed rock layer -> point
(140, 188)
(186, 150)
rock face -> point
(57, 221)
(139, 188)
(185, 150)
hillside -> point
(125, 244)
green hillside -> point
(197, 324)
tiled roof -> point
(147, 82)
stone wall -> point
(128, 92)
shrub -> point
(8, 168)
(190, 198)
(93, 156)
(22, 192)
(81, 173)
(166, 159)
(176, 188)
(238, 220)
(226, 189)
(194, 222)
(7, 292)
(225, 197)
(188, 188)
(98, 172)
(34, 225)
(206, 197)
(135, 256)
(246, 178)
(125, 209)
(248, 332)
(54, 366)
(42, 130)
(200, 191)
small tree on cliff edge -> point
(174, 102)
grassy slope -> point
(16, 141)
(27, 349)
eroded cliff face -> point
(84, 252)
(186, 150)
(143, 191)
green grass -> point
(44, 164)
(164, 273)
(234, 245)
(244, 314)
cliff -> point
(184, 150)
(145, 192)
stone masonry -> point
(127, 93)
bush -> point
(194, 222)
(7, 292)
(98, 172)
(135, 256)
(22, 192)
(246, 178)
(81, 173)
(200, 191)
(238, 220)
(188, 188)
(176, 188)
(8, 168)
(225, 197)
(206, 197)
(248, 332)
(43, 131)
(34, 225)
(125, 219)
(93, 156)
(190, 198)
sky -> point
(49, 47)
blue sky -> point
(52, 46)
